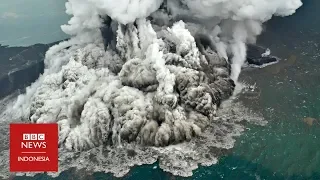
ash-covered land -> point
(142, 81)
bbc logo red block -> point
(33, 147)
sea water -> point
(24, 23)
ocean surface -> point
(24, 23)
(288, 96)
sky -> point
(26, 22)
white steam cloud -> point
(148, 73)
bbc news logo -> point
(33, 136)
(33, 147)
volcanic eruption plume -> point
(148, 73)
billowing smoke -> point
(230, 23)
(147, 72)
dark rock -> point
(254, 56)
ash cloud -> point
(166, 91)
(147, 73)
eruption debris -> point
(149, 74)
